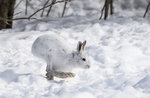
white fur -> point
(57, 54)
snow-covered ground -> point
(119, 51)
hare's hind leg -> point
(63, 74)
(51, 73)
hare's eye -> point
(83, 59)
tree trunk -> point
(111, 7)
(106, 9)
(3, 13)
(6, 12)
(10, 13)
(108, 4)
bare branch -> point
(50, 8)
(47, 7)
(146, 10)
(31, 16)
(44, 8)
(26, 10)
(22, 18)
(17, 13)
(18, 4)
(27, 18)
(64, 8)
(102, 12)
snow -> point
(118, 49)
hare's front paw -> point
(49, 76)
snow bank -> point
(119, 51)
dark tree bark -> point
(108, 5)
(6, 13)
(111, 7)
(106, 9)
(10, 13)
(3, 13)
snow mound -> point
(119, 51)
(144, 84)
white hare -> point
(59, 57)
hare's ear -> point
(79, 46)
(83, 45)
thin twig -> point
(64, 8)
(17, 13)
(102, 11)
(50, 8)
(31, 16)
(18, 4)
(146, 10)
(22, 18)
(44, 8)
(27, 18)
(26, 10)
